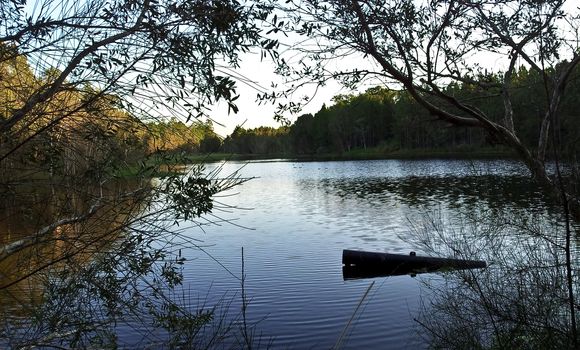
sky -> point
(252, 114)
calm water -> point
(295, 218)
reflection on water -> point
(97, 265)
(492, 190)
(294, 220)
(28, 216)
(304, 214)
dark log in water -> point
(359, 264)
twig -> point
(338, 344)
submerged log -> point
(357, 264)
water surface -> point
(293, 220)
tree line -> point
(392, 120)
(96, 133)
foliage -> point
(262, 140)
(84, 87)
(393, 120)
(176, 136)
(519, 302)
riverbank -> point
(363, 154)
(161, 165)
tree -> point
(78, 81)
(424, 46)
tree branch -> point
(45, 94)
(37, 237)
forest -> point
(99, 135)
(379, 121)
(386, 121)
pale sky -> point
(251, 114)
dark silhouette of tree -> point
(79, 81)
(258, 141)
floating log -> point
(357, 264)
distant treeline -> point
(175, 136)
(97, 132)
(392, 120)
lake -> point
(293, 219)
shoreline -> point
(163, 165)
(355, 155)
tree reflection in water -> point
(111, 262)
